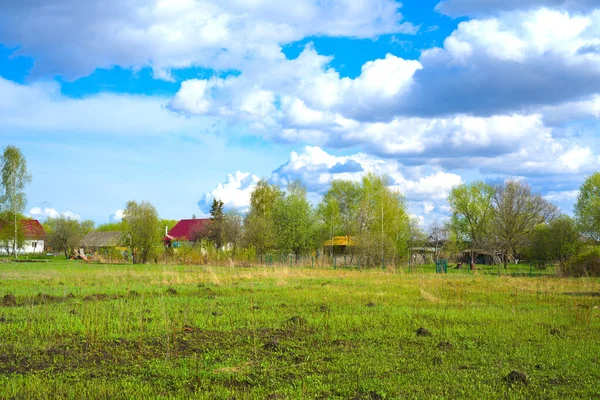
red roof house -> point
(188, 230)
(32, 229)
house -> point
(187, 231)
(339, 244)
(34, 238)
(98, 241)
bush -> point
(584, 263)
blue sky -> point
(180, 101)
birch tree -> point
(14, 178)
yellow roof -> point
(341, 241)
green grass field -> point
(120, 331)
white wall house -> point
(35, 238)
(29, 246)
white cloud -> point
(565, 200)
(73, 37)
(116, 216)
(234, 192)
(47, 212)
(41, 107)
(428, 207)
(317, 169)
(458, 8)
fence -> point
(348, 262)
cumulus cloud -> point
(514, 62)
(518, 62)
(42, 107)
(47, 212)
(73, 37)
(492, 98)
(116, 216)
(459, 8)
(317, 169)
(234, 192)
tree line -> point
(508, 220)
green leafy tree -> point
(259, 228)
(517, 212)
(556, 241)
(329, 214)
(14, 178)
(66, 234)
(564, 239)
(111, 227)
(472, 214)
(232, 230)
(294, 221)
(7, 232)
(338, 210)
(142, 230)
(587, 208)
(382, 222)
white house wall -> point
(29, 247)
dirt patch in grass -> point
(9, 300)
(582, 294)
(516, 377)
(99, 297)
(423, 332)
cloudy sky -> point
(180, 101)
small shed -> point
(95, 241)
(340, 244)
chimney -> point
(166, 230)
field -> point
(71, 330)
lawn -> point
(73, 330)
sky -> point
(176, 102)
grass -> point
(121, 331)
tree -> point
(587, 208)
(439, 236)
(338, 210)
(66, 234)
(556, 241)
(232, 229)
(142, 230)
(259, 228)
(565, 240)
(14, 178)
(382, 222)
(517, 212)
(472, 213)
(294, 221)
(329, 213)
(7, 232)
(111, 227)
(215, 231)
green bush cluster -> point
(584, 263)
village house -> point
(34, 238)
(186, 231)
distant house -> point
(339, 244)
(187, 231)
(97, 241)
(34, 235)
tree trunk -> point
(15, 238)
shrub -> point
(584, 263)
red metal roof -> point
(189, 229)
(32, 229)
